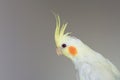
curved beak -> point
(59, 51)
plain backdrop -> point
(27, 48)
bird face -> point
(66, 45)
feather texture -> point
(89, 64)
(60, 30)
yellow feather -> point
(63, 29)
(60, 30)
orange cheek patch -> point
(72, 50)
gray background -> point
(27, 48)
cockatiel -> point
(89, 64)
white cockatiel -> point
(89, 64)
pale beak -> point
(59, 52)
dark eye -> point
(64, 45)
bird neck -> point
(85, 54)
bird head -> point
(66, 45)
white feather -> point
(91, 65)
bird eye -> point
(64, 45)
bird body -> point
(89, 64)
(95, 68)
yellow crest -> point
(59, 31)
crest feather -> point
(60, 30)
